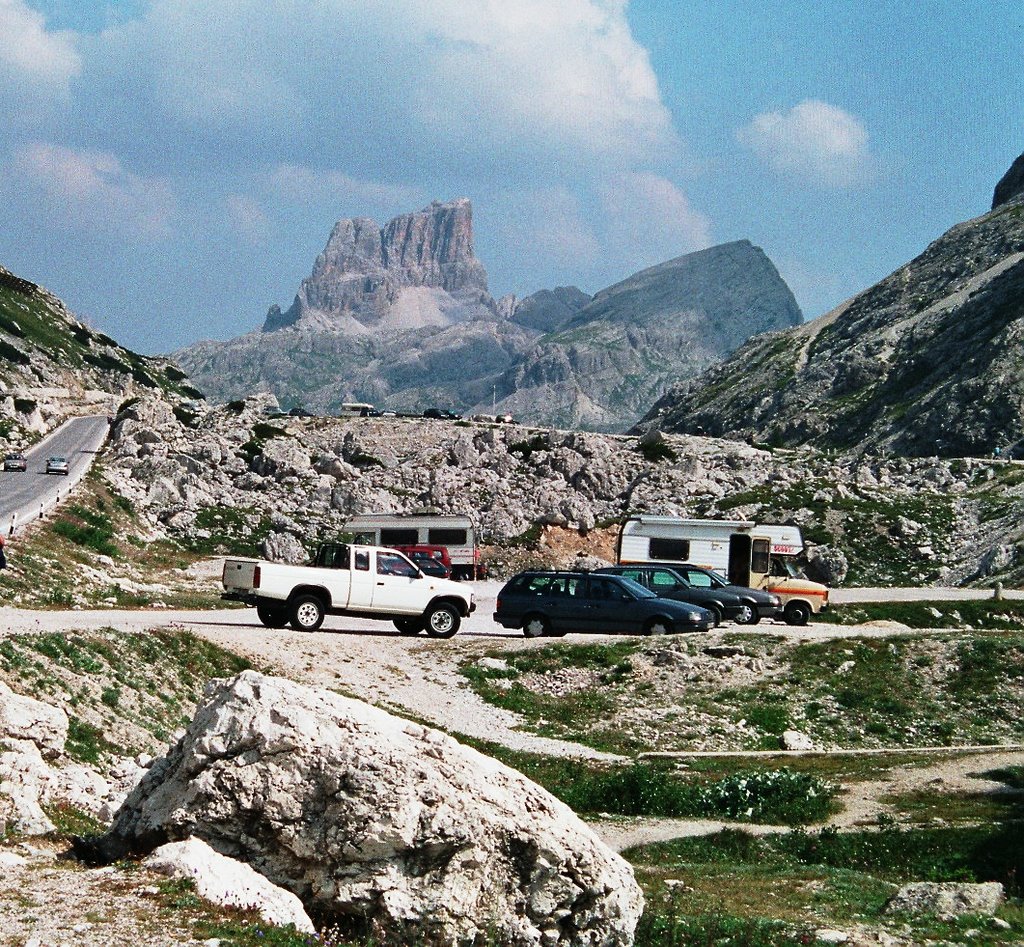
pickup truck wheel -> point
(536, 626)
(272, 614)
(409, 626)
(307, 613)
(797, 613)
(442, 621)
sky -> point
(171, 168)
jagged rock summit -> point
(400, 316)
(418, 270)
(1011, 184)
(930, 361)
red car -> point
(433, 560)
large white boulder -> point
(229, 882)
(374, 820)
(24, 718)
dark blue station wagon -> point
(554, 603)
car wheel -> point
(657, 626)
(715, 611)
(747, 615)
(409, 626)
(536, 626)
(272, 614)
(442, 621)
(797, 613)
(307, 613)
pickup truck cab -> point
(361, 581)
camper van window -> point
(365, 539)
(759, 556)
(363, 561)
(671, 550)
(399, 537)
(447, 537)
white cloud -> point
(389, 83)
(814, 140)
(650, 220)
(247, 217)
(29, 52)
(298, 184)
(91, 188)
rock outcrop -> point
(417, 270)
(884, 520)
(1010, 185)
(930, 361)
(377, 822)
(635, 339)
(401, 317)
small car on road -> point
(57, 465)
(554, 603)
(15, 462)
(666, 582)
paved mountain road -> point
(25, 495)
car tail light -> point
(256, 577)
(497, 605)
(476, 555)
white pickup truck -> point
(361, 581)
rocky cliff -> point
(633, 340)
(929, 361)
(55, 367)
(418, 270)
(400, 316)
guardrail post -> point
(14, 520)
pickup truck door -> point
(360, 594)
(399, 587)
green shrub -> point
(656, 451)
(773, 796)
(85, 742)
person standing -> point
(3, 552)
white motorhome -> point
(747, 553)
(454, 532)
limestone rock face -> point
(635, 339)
(401, 317)
(930, 361)
(370, 277)
(226, 881)
(1011, 184)
(24, 718)
(950, 898)
(373, 819)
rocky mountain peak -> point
(364, 271)
(1011, 184)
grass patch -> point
(126, 693)
(985, 614)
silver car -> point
(57, 465)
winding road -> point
(25, 496)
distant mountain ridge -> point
(401, 316)
(928, 361)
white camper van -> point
(747, 553)
(391, 529)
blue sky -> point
(172, 167)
